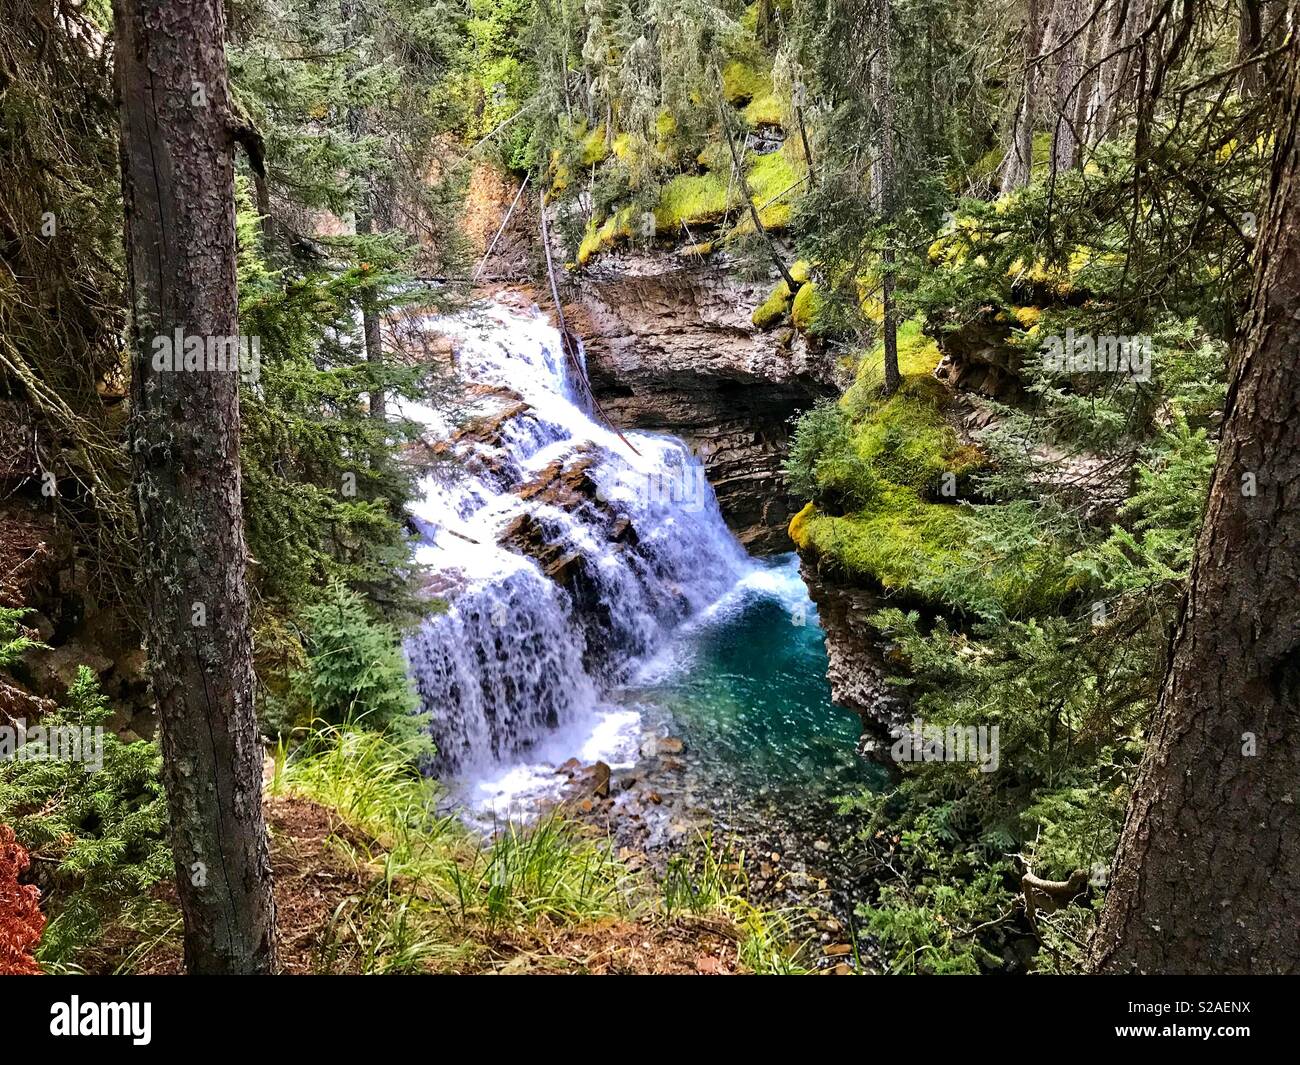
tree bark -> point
(177, 151)
(1069, 67)
(883, 85)
(1018, 166)
(1250, 39)
(1208, 867)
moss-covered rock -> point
(777, 305)
(803, 311)
(765, 109)
(773, 184)
(743, 79)
(601, 238)
(691, 199)
(890, 481)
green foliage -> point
(354, 670)
(709, 879)
(324, 492)
(15, 641)
(96, 837)
(878, 471)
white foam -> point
(505, 673)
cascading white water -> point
(516, 665)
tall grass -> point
(436, 884)
(711, 881)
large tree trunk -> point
(1018, 165)
(883, 85)
(1208, 870)
(1069, 41)
(178, 186)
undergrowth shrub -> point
(97, 838)
(354, 671)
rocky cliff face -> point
(858, 660)
(673, 349)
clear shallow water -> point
(745, 686)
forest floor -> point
(319, 889)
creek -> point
(600, 610)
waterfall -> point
(567, 556)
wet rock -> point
(856, 667)
(600, 780)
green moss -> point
(693, 199)
(882, 516)
(597, 239)
(777, 305)
(715, 156)
(941, 554)
(773, 185)
(743, 80)
(918, 356)
(774, 308)
(905, 440)
(900, 541)
(803, 311)
(765, 109)
(595, 148)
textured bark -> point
(178, 187)
(1069, 68)
(1208, 867)
(1250, 39)
(1017, 167)
(1114, 72)
(883, 89)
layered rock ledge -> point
(673, 349)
